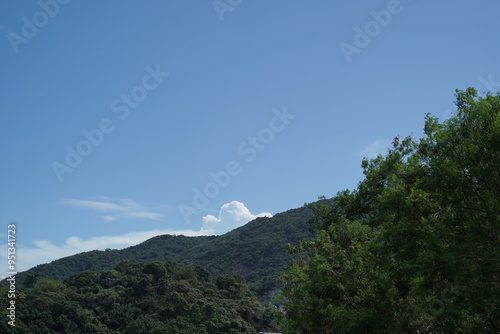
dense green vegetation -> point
(256, 251)
(149, 298)
(416, 247)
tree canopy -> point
(416, 246)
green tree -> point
(233, 285)
(86, 281)
(416, 247)
(145, 325)
(30, 280)
(157, 269)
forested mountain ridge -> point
(167, 284)
(257, 251)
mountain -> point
(257, 251)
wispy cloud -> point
(372, 150)
(113, 209)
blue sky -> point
(121, 120)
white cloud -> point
(113, 209)
(232, 215)
(379, 146)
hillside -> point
(257, 251)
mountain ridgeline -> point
(257, 251)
